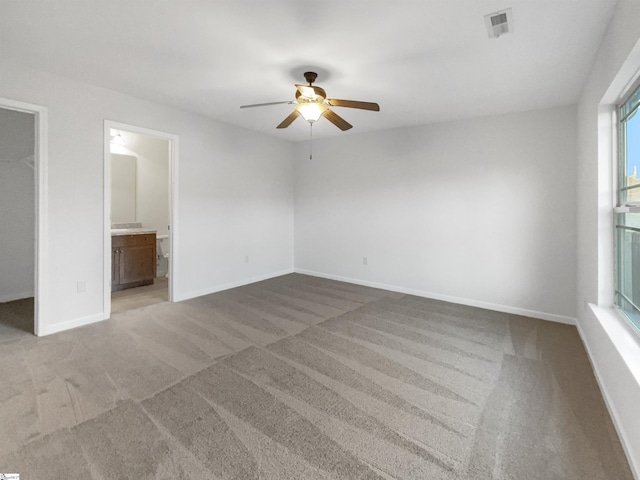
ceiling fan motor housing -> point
(317, 92)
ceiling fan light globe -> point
(311, 111)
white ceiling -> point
(423, 61)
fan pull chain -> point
(310, 141)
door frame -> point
(41, 164)
(173, 204)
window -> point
(627, 216)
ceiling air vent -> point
(499, 23)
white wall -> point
(613, 346)
(17, 205)
(235, 193)
(480, 211)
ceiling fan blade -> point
(289, 120)
(354, 104)
(337, 120)
(311, 91)
(266, 104)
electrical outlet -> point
(364, 261)
(81, 286)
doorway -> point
(140, 171)
(23, 217)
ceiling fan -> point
(312, 103)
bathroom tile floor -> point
(139, 297)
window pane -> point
(631, 104)
(630, 159)
(628, 310)
(628, 266)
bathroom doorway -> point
(140, 221)
(23, 136)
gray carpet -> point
(305, 378)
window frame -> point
(626, 207)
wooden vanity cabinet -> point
(133, 260)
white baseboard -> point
(227, 286)
(16, 296)
(603, 316)
(69, 324)
(552, 317)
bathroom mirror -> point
(123, 188)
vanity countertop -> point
(131, 231)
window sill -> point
(624, 337)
